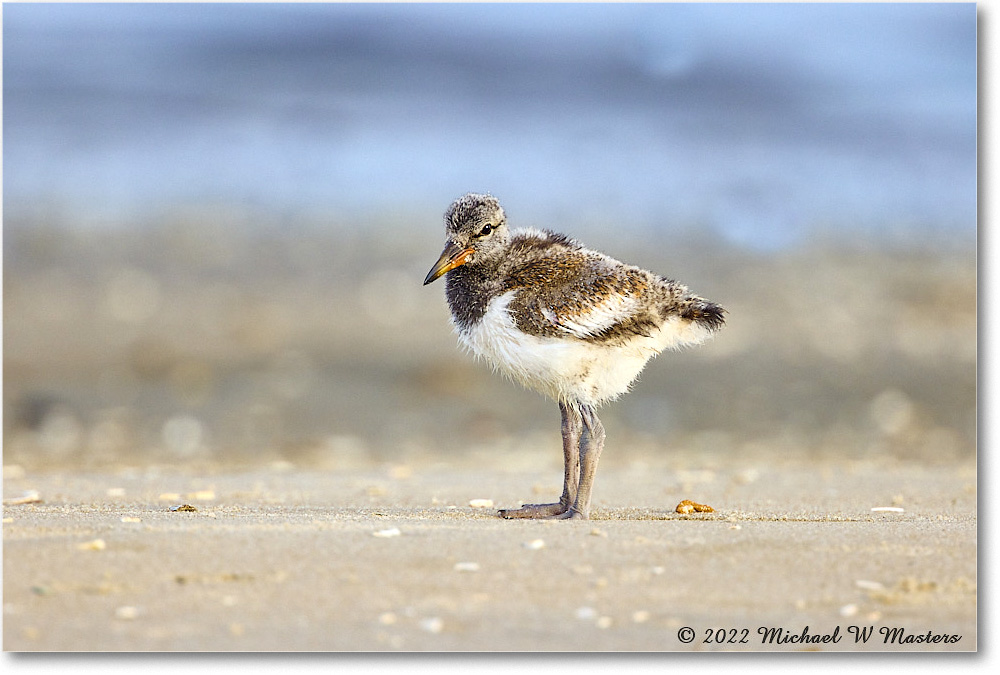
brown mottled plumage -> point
(572, 323)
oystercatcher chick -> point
(566, 321)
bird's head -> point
(477, 233)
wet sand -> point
(394, 558)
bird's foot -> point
(571, 514)
(535, 511)
(557, 511)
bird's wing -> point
(588, 300)
(595, 317)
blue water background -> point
(758, 122)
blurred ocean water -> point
(757, 122)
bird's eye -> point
(486, 230)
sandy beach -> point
(394, 558)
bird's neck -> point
(469, 289)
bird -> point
(569, 322)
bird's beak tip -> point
(451, 257)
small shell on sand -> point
(183, 507)
(888, 509)
(29, 497)
(466, 567)
(688, 506)
(92, 545)
(390, 532)
(534, 544)
(866, 585)
(481, 503)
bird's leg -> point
(572, 426)
(591, 446)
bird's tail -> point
(707, 314)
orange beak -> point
(451, 257)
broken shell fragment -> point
(688, 506)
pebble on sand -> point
(466, 567)
(390, 532)
(481, 503)
(534, 544)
